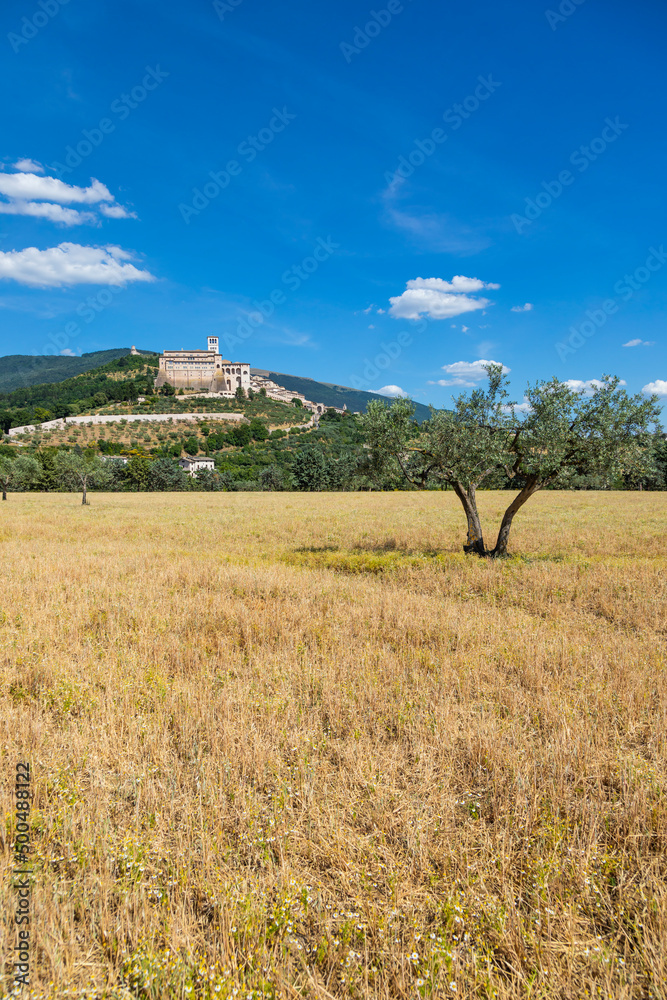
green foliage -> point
(258, 429)
(138, 473)
(310, 470)
(165, 475)
(81, 472)
(240, 393)
(240, 435)
(605, 435)
(18, 371)
(191, 445)
(273, 478)
(18, 474)
(36, 403)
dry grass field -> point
(299, 745)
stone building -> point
(195, 465)
(206, 370)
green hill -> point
(25, 371)
(20, 370)
(332, 395)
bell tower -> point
(213, 344)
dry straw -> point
(299, 746)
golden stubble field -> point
(299, 745)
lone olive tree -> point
(80, 472)
(18, 473)
(562, 431)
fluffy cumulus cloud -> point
(467, 373)
(637, 342)
(391, 390)
(439, 299)
(29, 193)
(70, 264)
(657, 388)
(523, 309)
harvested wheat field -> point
(299, 745)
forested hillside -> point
(17, 370)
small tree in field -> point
(18, 474)
(81, 472)
(607, 433)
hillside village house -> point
(195, 465)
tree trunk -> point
(4, 493)
(519, 500)
(83, 500)
(475, 541)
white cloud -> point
(586, 387)
(28, 193)
(523, 407)
(45, 210)
(658, 388)
(639, 343)
(390, 390)
(70, 264)
(467, 373)
(464, 329)
(522, 309)
(29, 187)
(117, 212)
(69, 353)
(439, 299)
(32, 166)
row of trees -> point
(605, 439)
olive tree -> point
(18, 473)
(81, 472)
(557, 430)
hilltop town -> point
(197, 374)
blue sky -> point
(371, 195)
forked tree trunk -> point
(475, 541)
(506, 524)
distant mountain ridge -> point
(20, 370)
(17, 371)
(332, 395)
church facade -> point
(203, 370)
